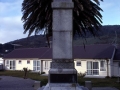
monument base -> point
(63, 86)
(63, 79)
(62, 76)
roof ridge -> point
(30, 48)
(92, 44)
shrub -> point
(42, 72)
(82, 74)
(107, 77)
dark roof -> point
(89, 52)
(98, 51)
(27, 53)
(117, 53)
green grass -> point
(100, 82)
(96, 82)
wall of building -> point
(83, 67)
(20, 66)
(116, 69)
(23, 64)
(1, 60)
(45, 65)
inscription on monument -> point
(62, 65)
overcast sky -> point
(11, 27)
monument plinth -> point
(62, 74)
(62, 66)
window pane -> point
(38, 68)
(34, 68)
(38, 63)
(102, 66)
(13, 68)
(34, 63)
(7, 62)
(14, 63)
(95, 65)
(95, 72)
(89, 72)
(78, 63)
(89, 65)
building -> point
(95, 60)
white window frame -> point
(103, 66)
(91, 71)
(7, 63)
(46, 65)
(36, 66)
(12, 64)
(78, 63)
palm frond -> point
(37, 15)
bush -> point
(82, 74)
(42, 72)
(107, 77)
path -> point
(15, 83)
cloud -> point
(11, 27)
(6, 36)
(11, 23)
(10, 8)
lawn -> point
(96, 82)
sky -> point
(11, 26)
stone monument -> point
(62, 75)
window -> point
(12, 64)
(102, 65)
(19, 61)
(36, 65)
(92, 68)
(78, 63)
(7, 63)
(46, 64)
(28, 61)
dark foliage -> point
(5, 48)
(37, 15)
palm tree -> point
(37, 15)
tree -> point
(37, 15)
